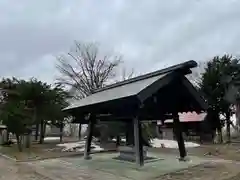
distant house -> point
(192, 125)
(189, 117)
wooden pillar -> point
(179, 136)
(36, 131)
(118, 140)
(61, 131)
(228, 129)
(88, 142)
(129, 133)
(79, 131)
(138, 142)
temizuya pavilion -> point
(153, 96)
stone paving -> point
(103, 166)
(96, 169)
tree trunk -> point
(8, 136)
(61, 132)
(118, 139)
(159, 132)
(37, 131)
(217, 126)
(5, 136)
(237, 114)
(37, 124)
(42, 132)
(44, 128)
(79, 131)
(71, 130)
(220, 136)
(19, 142)
(228, 123)
(127, 138)
(28, 140)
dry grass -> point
(14, 153)
(223, 151)
(209, 171)
(35, 152)
(44, 151)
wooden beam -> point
(138, 142)
(179, 136)
(88, 142)
(142, 118)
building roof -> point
(130, 87)
(117, 92)
(186, 65)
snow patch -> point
(51, 138)
(162, 143)
(77, 147)
(122, 139)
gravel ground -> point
(221, 170)
(210, 171)
(220, 151)
(15, 171)
(217, 169)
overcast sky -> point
(150, 34)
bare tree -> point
(127, 75)
(195, 76)
(85, 70)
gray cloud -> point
(149, 34)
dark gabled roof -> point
(117, 92)
(186, 65)
(131, 87)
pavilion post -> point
(138, 142)
(88, 142)
(129, 133)
(179, 136)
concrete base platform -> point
(128, 153)
(103, 167)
